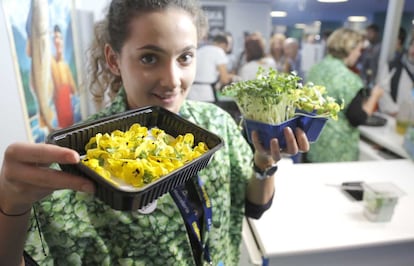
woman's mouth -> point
(166, 98)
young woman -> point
(144, 54)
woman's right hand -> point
(25, 176)
(371, 104)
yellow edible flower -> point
(139, 156)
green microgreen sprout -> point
(274, 97)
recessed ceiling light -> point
(278, 14)
(300, 25)
(357, 18)
(332, 1)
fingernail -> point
(77, 158)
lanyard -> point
(409, 72)
(188, 213)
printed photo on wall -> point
(41, 32)
(216, 16)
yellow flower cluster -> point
(314, 98)
(140, 155)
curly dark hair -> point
(114, 30)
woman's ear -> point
(112, 60)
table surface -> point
(385, 136)
(309, 216)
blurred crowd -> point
(343, 60)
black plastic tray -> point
(75, 137)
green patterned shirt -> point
(78, 229)
(339, 141)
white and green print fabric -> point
(338, 140)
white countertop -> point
(309, 216)
(385, 136)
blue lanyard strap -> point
(188, 212)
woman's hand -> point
(296, 142)
(377, 92)
(261, 191)
(25, 176)
(370, 105)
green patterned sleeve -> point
(240, 159)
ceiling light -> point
(278, 14)
(300, 25)
(332, 1)
(357, 19)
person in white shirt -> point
(232, 58)
(255, 57)
(211, 68)
(400, 99)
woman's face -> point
(277, 46)
(157, 61)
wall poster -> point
(41, 32)
(216, 16)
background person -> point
(400, 46)
(254, 48)
(339, 140)
(229, 52)
(212, 64)
(399, 102)
(144, 54)
(241, 57)
(293, 56)
(276, 52)
(370, 55)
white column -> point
(389, 39)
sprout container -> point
(268, 131)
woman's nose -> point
(171, 76)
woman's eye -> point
(149, 59)
(186, 58)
